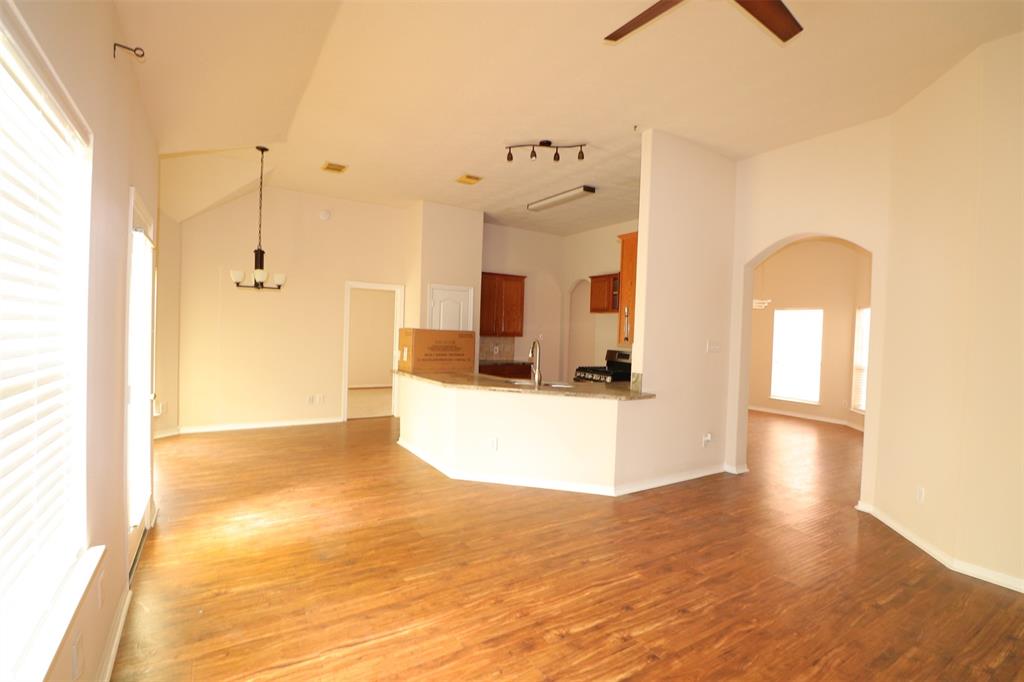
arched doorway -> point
(740, 377)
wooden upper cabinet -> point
(604, 293)
(627, 288)
(502, 304)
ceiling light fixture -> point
(259, 274)
(468, 179)
(561, 197)
(545, 144)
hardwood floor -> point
(328, 552)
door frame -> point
(399, 291)
(452, 287)
(139, 220)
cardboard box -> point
(436, 350)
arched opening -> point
(803, 364)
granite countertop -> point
(484, 382)
(487, 361)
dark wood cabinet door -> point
(513, 299)
(604, 293)
(627, 288)
(490, 304)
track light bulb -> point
(509, 157)
(558, 157)
(580, 155)
(533, 153)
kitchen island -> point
(490, 429)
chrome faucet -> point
(535, 364)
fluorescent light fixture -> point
(561, 198)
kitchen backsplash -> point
(497, 348)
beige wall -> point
(934, 193)
(76, 38)
(537, 256)
(451, 244)
(255, 357)
(685, 245)
(584, 254)
(815, 273)
(371, 338)
(952, 396)
(168, 298)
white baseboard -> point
(368, 386)
(730, 469)
(213, 428)
(679, 477)
(114, 639)
(812, 417)
(944, 558)
(565, 486)
(165, 433)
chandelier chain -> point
(259, 228)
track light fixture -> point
(545, 144)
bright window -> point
(45, 179)
(861, 336)
(796, 355)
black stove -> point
(618, 367)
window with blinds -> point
(45, 178)
(861, 337)
(796, 355)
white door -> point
(451, 307)
(139, 410)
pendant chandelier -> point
(259, 274)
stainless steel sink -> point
(520, 382)
(559, 385)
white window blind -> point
(796, 355)
(45, 178)
(861, 337)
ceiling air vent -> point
(332, 167)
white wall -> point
(829, 274)
(251, 357)
(371, 338)
(76, 38)
(536, 255)
(683, 263)
(168, 299)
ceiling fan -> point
(775, 16)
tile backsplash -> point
(497, 348)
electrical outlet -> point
(920, 494)
(712, 346)
(76, 655)
(493, 443)
(706, 440)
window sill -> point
(54, 625)
(794, 400)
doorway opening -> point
(139, 378)
(806, 345)
(373, 316)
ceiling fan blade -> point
(775, 16)
(639, 20)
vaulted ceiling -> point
(412, 95)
